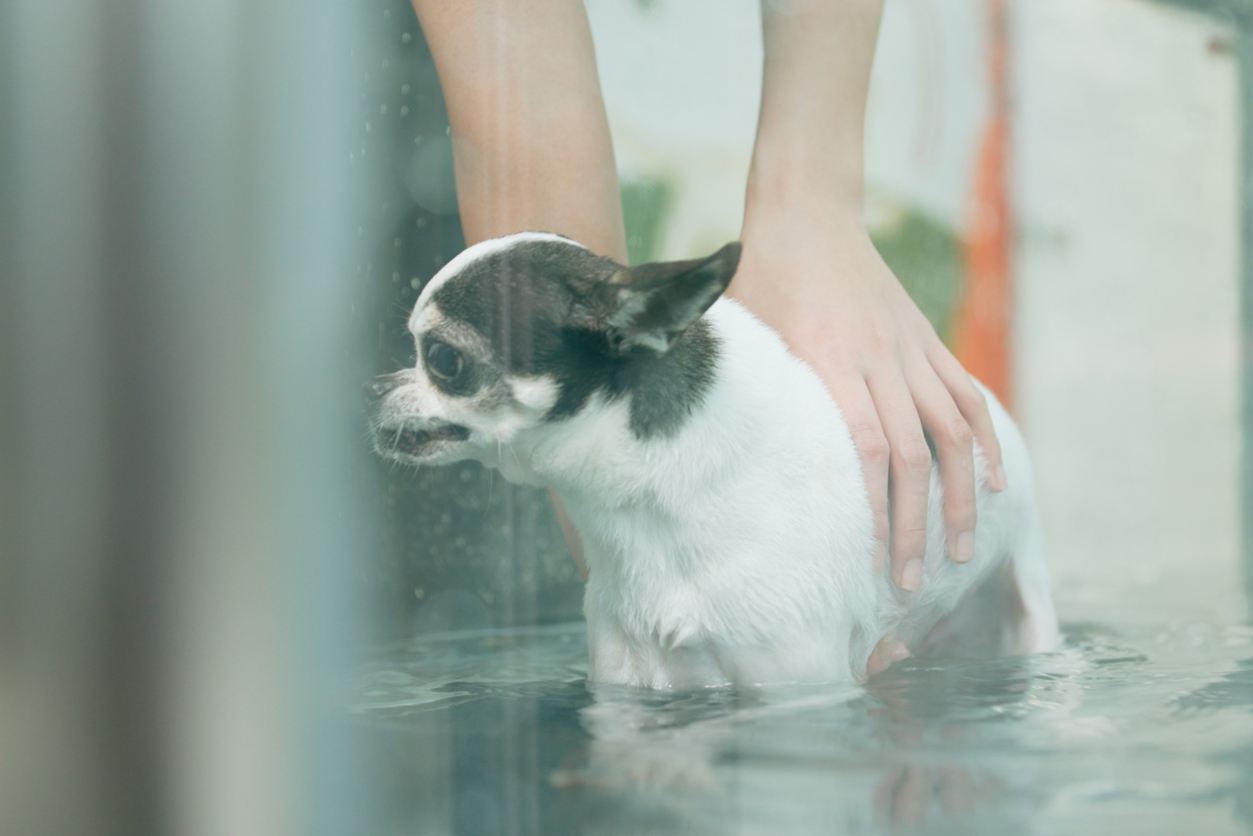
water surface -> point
(1129, 730)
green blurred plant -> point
(927, 257)
(645, 205)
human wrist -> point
(787, 211)
(799, 180)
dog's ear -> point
(650, 306)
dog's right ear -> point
(651, 305)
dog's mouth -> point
(415, 442)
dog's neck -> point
(640, 471)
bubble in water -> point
(405, 38)
(404, 89)
(404, 110)
(395, 278)
(413, 283)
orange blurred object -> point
(982, 322)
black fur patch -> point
(532, 304)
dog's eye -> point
(444, 361)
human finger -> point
(872, 448)
(957, 791)
(973, 406)
(913, 797)
(954, 447)
(909, 477)
(888, 650)
(885, 792)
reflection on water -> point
(1144, 731)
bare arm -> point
(810, 270)
(531, 142)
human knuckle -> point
(914, 455)
(872, 444)
(881, 341)
(972, 396)
(958, 433)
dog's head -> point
(520, 332)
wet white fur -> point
(739, 550)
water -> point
(1129, 730)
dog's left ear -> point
(650, 306)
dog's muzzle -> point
(409, 439)
(415, 442)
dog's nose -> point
(377, 388)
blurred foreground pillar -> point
(177, 406)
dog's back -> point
(745, 552)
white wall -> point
(1126, 176)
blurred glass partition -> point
(182, 436)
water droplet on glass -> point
(395, 278)
(404, 89)
(368, 127)
(405, 38)
(448, 131)
(382, 108)
(420, 222)
(387, 13)
(413, 283)
(417, 140)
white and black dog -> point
(722, 507)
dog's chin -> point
(438, 444)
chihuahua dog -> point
(724, 515)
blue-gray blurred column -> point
(177, 415)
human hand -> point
(814, 276)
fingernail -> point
(899, 651)
(999, 479)
(911, 576)
(880, 556)
(963, 547)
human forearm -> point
(816, 74)
(531, 141)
